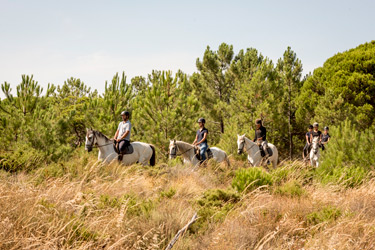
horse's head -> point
(173, 148)
(240, 143)
(315, 145)
(90, 139)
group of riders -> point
(313, 132)
(122, 137)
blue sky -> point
(92, 40)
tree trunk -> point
(290, 122)
(222, 125)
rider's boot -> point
(119, 157)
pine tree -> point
(213, 83)
(164, 110)
(289, 69)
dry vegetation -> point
(85, 205)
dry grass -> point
(91, 206)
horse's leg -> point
(274, 162)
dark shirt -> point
(260, 133)
(325, 137)
(308, 136)
(200, 134)
(316, 134)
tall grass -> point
(83, 204)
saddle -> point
(128, 150)
(209, 153)
(263, 154)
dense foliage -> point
(230, 90)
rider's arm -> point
(255, 136)
(196, 139)
(307, 139)
(116, 135)
(204, 138)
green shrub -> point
(326, 214)
(22, 158)
(251, 178)
(347, 159)
(291, 189)
(213, 206)
(348, 177)
(168, 193)
(136, 206)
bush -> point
(251, 178)
(347, 159)
(326, 214)
(21, 158)
(348, 177)
(213, 206)
(291, 189)
(168, 193)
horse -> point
(245, 145)
(188, 153)
(143, 153)
(314, 153)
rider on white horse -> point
(201, 139)
(122, 136)
(260, 137)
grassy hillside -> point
(83, 204)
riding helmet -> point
(326, 128)
(316, 124)
(258, 121)
(125, 113)
(202, 120)
(311, 126)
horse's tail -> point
(153, 157)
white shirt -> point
(122, 128)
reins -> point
(99, 146)
(247, 150)
(176, 154)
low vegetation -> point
(84, 204)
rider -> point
(122, 136)
(325, 137)
(261, 136)
(306, 149)
(201, 138)
(316, 133)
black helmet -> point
(326, 128)
(202, 120)
(258, 121)
(125, 113)
(311, 126)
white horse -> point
(245, 145)
(143, 153)
(187, 152)
(315, 153)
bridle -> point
(175, 148)
(243, 146)
(92, 145)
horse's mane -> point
(102, 135)
(249, 139)
(184, 143)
